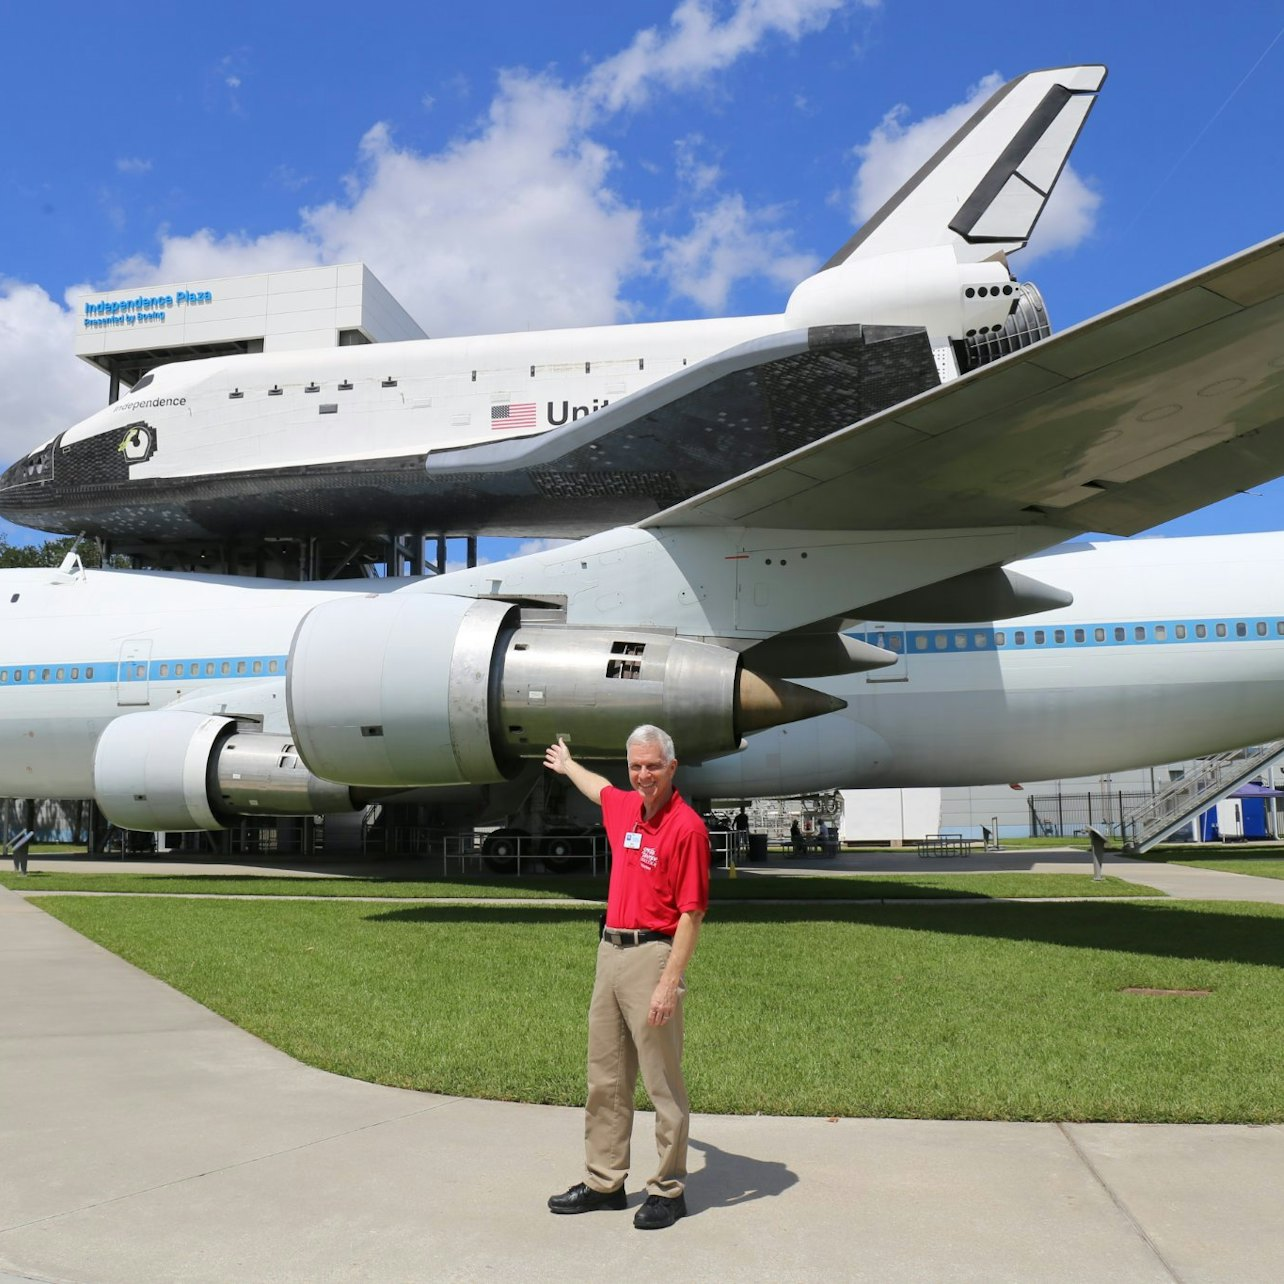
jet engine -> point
(390, 691)
(410, 689)
(177, 769)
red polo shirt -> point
(664, 873)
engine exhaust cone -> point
(763, 702)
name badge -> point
(633, 841)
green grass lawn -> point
(1002, 1011)
(747, 887)
(1265, 862)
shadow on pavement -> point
(728, 1180)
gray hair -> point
(646, 734)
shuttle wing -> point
(1161, 406)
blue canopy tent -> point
(1253, 818)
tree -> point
(52, 552)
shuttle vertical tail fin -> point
(984, 190)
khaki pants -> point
(621, 1042)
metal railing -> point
(1182, 800)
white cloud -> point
(697, 42)
(133, 165)
(205, 254)
(43, 388)
(517, 225)
(898, 145)
(531, 546)
(728, 244)
(693, 171)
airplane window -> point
(1261, 628)
(920, 643)
(4, 675)
(271, 666)
(1179, 632)
(44, 675)
(1241, 629)
(1201, 630)
(1161, 633)
(1018, 638)
(140, 671)
(1139, 632)
(941, 641)
(209, 668)
(60, 674)
(178, 670)
(1119, 634)
(258, 666)
(978, 640)
(1000, 639)
(1038, 637)
(89, 673)
(31, 675)
(1080, 635)
(75, 674)
(1279, 627)
(240, 666)
(1220, 630)
(1099, 634)
(164, 670)
(17, 675)
(1059, 635)
(960, 641)
(225, 668)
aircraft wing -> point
(1158, 407)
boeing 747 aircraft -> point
(568, 432)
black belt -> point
(632, 936)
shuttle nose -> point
(27, 488)
(32, 471)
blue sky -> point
(504, 166)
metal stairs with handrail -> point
(1212, 780)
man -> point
(658, 895)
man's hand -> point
(557, 757)
(663, 1003)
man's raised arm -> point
(557, 757)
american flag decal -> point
(518, 414)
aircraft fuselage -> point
(1172, 649)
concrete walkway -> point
(143, 1138)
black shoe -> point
(584, 1199)
(659, 1212)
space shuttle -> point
(568, 432)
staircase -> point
(1186, 798)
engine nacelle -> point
(405, 689)
(175, 769)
